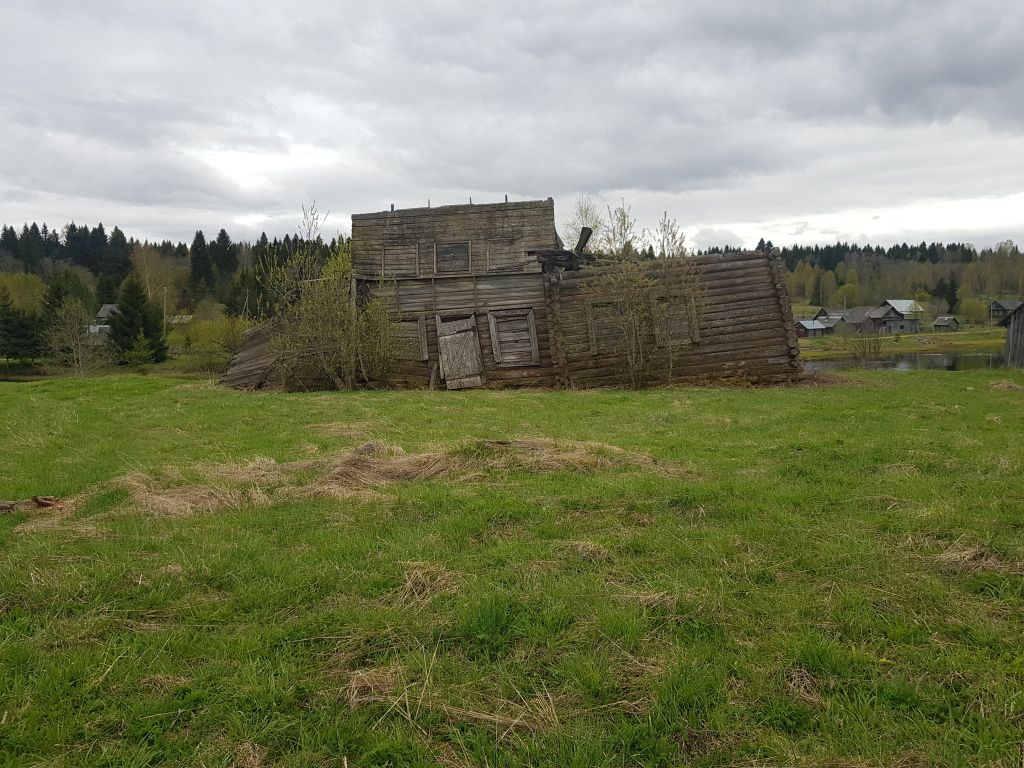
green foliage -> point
(135, 317)
(25, 292)
(21, 331)
(213, 342)
(323, 335)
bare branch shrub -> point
(657, 303)
(323, 334)
(69, 343)
(865, 348)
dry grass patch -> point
(1005, 385)
(975, 559)
(423, 582)
(357, 475)
(587, 550)
(801, 685)
(164, 684)
(147, 495)
(249, 755)
(375, 685)
(900, 470)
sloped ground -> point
(796, 576)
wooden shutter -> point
(514, 337)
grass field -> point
(973, 340)
(824, 575)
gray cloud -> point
(167, 117)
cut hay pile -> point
(373, 465)
(360, 474)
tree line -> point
(42, 268)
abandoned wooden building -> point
(1014, 349)
(486, 295)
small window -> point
(604, 320)
(412, 339)
(451, 258)
(514, 337)
(676, 322)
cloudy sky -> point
(805, 121)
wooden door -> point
(458, 346)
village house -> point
(810, 329)
(891, 316)
(486, 295)
(945, 323)
(1000, 308)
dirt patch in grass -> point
(164, 684)
(1005, 385)
(55, 517)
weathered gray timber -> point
(485, 295)
(1014, 350)
(452, 239)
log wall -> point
(740, 327)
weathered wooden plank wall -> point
(421, 300)
(1014, 346)
(405, 243)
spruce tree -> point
(9, 241)
(117, 257)
(136, 315)
(202, 277)
(224, 255)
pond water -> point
(914, 361)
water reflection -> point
(914, 361)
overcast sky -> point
(798, 121)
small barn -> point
(945, 324)
(486, 295)
(1014, 349)
(1000, 308)
(809, 329)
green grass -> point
(979, 339)
(802, 576)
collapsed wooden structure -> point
(1013, 322)
(486, 295)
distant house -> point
(891, 316)
(1000, 308)
(836, 325)
(887, 318)
(906, 307)
(810, 329)
(1014, 324)
(103, 315)
(945, 323)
